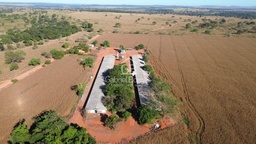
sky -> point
(150, 2)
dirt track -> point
(214, 77)
(47, 89)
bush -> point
(73, 50)
(34, 62)
(117, 25)
(194, 30)
(148, 68)
(147, 114)
(47, 62)
(126, 115)
(65, 45)
(80, 89)
(46, 54)
(111, 121)
(140, 46)
(14, 66)
(14, 80)
(11, 57)
(106, 44)
(95, 42)
(207, 32)
(57, 54)
(88, 62)
(1, 72)
(188, 26)
(145, 58)
(84, 47)
(1, 47)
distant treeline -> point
(244, 14)
(43, 27)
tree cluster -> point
(87, 62)
(48, 127)
(119, 89)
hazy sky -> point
(150, 2)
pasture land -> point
(213, 77)
(47, 89)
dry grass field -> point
(47, 89)
(214, 79)
(165, 24)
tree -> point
(14, 66)
(122, 47)
(88, 62)
(148, 68)
(117, 25)
(1, 47)
(65, 45)
(83, 46)
(140, 46)
(95, 42)
(34, 62)
(20, 133)
(80, 89)
(16, 56)
(57, 54)
(106, 44)
(145, 58)
(126, 115)
(48, 127)
(147, 114)
(207, 32)
(111, 121)
(188, 26)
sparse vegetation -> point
(111, 121)
(14, 81)
(140, 46)
(66, 45)
(88, 62)
(106, 44)
(14, 66)
(57, 54)
(34, 62)
(47, 62)
(14, 57)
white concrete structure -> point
(94, 103)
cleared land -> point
(47, 89)
(214, 78)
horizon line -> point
(60, 3)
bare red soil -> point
(47, 89)
(213, 77)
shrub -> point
(80, 89)
(207, 32)
(1, 72)
(194, 30)
(41, 42)
(117, 25)
(106, 44)
(46, 54)
(1, 47)
(111, 121)
(140, 46)
(73, 50)
(15, 80)
(153, 23)
(14, 66)
(57, 54)
(145, 58)
(84, 47)
(34, 62)
(11, 57)
(147, 114)
(126, 115)
(88, 62)
(188, 26)
(47, 62)
(95, 42)
(65, 45)
(148, 68)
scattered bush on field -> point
(147, 114)
(14, 81)
(17, 56)
(46, 54)
(117, 25)
(115, 31)
(106, 44)
(208, 32)
(34, 62)
(83, 47)
(111, 121)
(80, 89)
(188, 26)
(153, 23)
(122, 47)
(48, 127)
(35, 46)
(14, 66)
(100, 31)
(73, 50)
(95, 42)
(57, 54)
(66, 45)
(88, 62)
(1, 47)
(194, 30)
(47, 62)
(186, 121)
(140, 46)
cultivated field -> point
(213, 77)
(47, 89)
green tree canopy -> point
(106, 44)
(48, 127)
(16, 56)
(88, 62)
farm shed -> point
(141, 79)
(94, 104)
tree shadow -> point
(103, 118)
